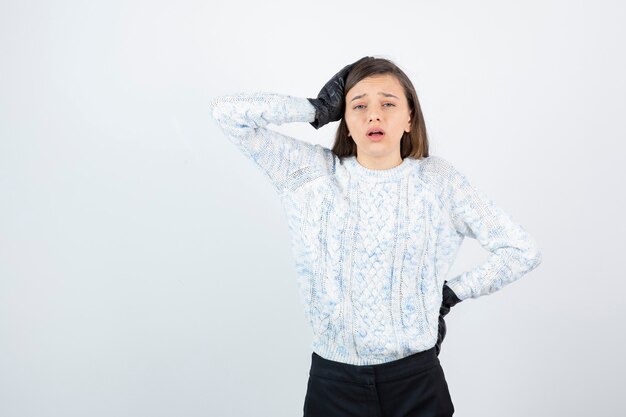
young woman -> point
(376, 223)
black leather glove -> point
(449, 300)
(330, 104)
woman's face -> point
(377, 102)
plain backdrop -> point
(145, 263)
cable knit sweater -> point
(372, 247)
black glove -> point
(449, 300)
(330, 104)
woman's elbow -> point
(533, 257)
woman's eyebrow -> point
(382, 93)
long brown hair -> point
(413, 143)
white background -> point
(145, 266)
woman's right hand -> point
(329, 104)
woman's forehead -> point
(379, 85)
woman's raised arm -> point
(286, 161)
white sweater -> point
(372, 248)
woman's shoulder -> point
(437, 167)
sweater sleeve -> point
(286, 161)
(513, 251)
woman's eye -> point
(362, 105)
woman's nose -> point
(373, 116)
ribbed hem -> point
(375, 175)
(338, 353)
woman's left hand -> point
(449, 300)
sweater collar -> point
(379, 175)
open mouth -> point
(375, 133)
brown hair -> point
(413, 143)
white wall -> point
(145, 266)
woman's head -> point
(377, 93)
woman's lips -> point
(376, 137)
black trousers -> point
(414, 386)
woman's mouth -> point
(375, 133)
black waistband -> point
(369, 374)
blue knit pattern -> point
(372, 248)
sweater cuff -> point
(304, 110)
(457, 288)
